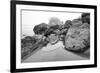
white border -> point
(20, 65)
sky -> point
(32, 18)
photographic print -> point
(53, 36)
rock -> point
(26, 44)
(40, 28)
(67, 24)
(78, 38)
(87, 53)
(86, 18)
(76, 22)
(53, 38)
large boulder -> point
(78, 38)
(40, 28)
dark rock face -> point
(51, 30)
(41, 28)
(31, 43)
(67, 24)
(86, 18)
(26, 45)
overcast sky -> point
(32, 18)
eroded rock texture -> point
(78, 37)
